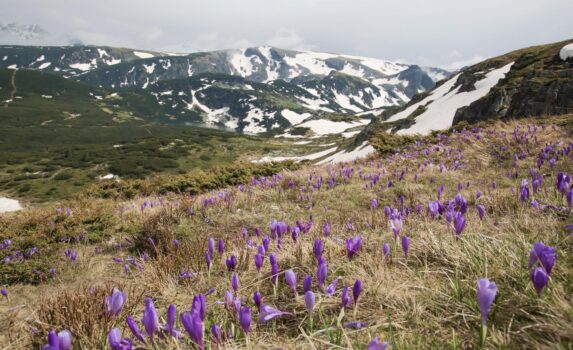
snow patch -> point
(149, 68)
(84, 67)
(9, 205)
(326, 127)
(294, 117)
(242, 64)
(312, 156)
(566, 52)
(360, 152)
(254, 116)
(45, 65)
(108, 177)
(142, 54)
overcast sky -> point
(446, 33)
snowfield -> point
(142, 54)
(566, 52)
(8, 205)
(323, 127)
(311, 156)
(442, 104)
(84, 67)
(360, 152)
(294, 117)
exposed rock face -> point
(539, 83)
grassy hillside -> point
(154, 246)
(58, 136)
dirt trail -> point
(14, 89)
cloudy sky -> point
(446, 33)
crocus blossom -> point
(539, 278)
(353, 245)
(377, 344)
(486, 292)
(193, 324)
(268, 312)
(291, 280)
(150, 319)
(405, 245)
(114, 302)
(245, 319)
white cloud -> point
(289, 39)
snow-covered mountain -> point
(20, 33)
(303, 82)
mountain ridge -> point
(315, 83)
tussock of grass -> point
(425, 301)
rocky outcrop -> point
(539, 83)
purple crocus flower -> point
(524, 191)
(208, 260)
(461, 203)
(59, 341)
(211, 246)
(231, 262)
(274, 274)
(321, 272)
(169, 326)
(344, 298)
(114, 302)
(331, 288)
(459, 223)
(257, 299)
(262, 250)
(273, 259)
(306, 283)
(433, 208)
(486, 292)
(221, 247)
(150, 320)
(295, 233)
(396, 224)
(216, 334)
(266, 243)
(134, 328)
(193, 324)
(481, 211)
(116, 343)
(377, 344)
(198, 306)
(405, 245)
(4, 293)
(258, 261)
(290, 279)
(374, 203)
(245, 319)
(544, 255)
(354, 325)
(65, 340)
(235, 282)
(539, 278)
(356, 290)
(318, 248)
(310, 301)
(386, 250)
(268, 312)
(326, 229)
(353, 245)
